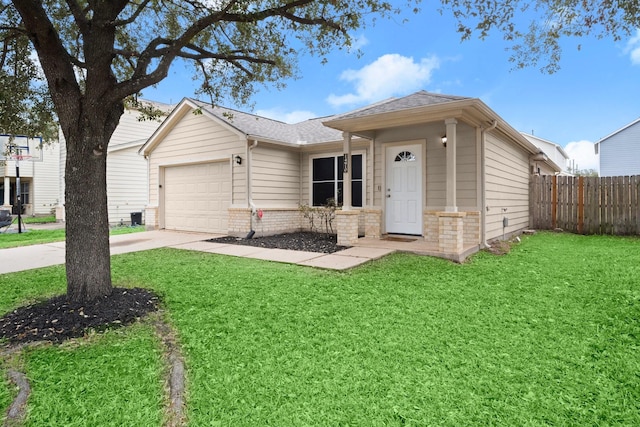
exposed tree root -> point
(176, 373)
(16, 411)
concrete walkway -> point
(37, 256)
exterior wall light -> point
(238, 160)
(444, 140)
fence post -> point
(580, 204)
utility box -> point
(136, 218)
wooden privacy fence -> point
(586, 205)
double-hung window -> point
(327, 179)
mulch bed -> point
(300, 241)
(57, 319)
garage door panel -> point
(197, 197)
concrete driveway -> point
(37, 256)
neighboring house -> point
(127, 185)
(38, 181)
(225, 171)
(555, 152)
(620, 151)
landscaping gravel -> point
(58, 319)
(300, 241)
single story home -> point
(619, 152)
(444, 169)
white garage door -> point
(196, 197)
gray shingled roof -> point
(415, 100)
(313, 131)
(307, 132)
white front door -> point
(404, 189)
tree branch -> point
(56, 62)
(78, 15)
(134, 15)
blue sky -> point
(595, 92)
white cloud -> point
(287, 116)
(387, 76)
(583, 153)
(633, 48)
(359, 42)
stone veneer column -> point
(373, 223)
(451, 232)
(347, 227)
(431, 226)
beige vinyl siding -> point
(239, 180)
(543, 168)
(276, 177)
(377, 182)
(131, 129)
(126, 184)
(466, 168)
(507, 186)
(198, 139)
(45, 188)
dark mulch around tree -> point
(57, 319)
(300, 241)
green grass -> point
(547, 335)
(100, 382)
(39, 219)
(36, 237)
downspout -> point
(249, 188)
(483, 168)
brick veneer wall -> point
(151, 218)
(373, 223)
(430, 226)
(471, 228)
(450, 236)
(273, 221)
(348, 225)
(470, 231)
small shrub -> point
(320, 217)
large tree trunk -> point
(87, 223)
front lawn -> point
(36, 237)
(546, 335)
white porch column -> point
(346, 172)
(7, 184)
(451, 204)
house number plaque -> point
(345, 163)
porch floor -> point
(414, 244)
